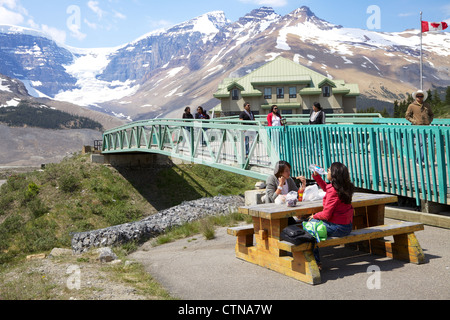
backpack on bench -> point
(296, 235)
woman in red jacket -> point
(274, 117)
(337, 214)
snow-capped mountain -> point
(164, 71)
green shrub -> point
(16, 182)
(40, 235)
(68, 183)
(37, 208)
(6, 199)
(31, 192)
(10, 227)
(207, 229)
(33, 189)
(121, 213)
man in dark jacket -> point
(247, 115)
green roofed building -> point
(289, 85)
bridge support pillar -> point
(141, 160)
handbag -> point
(296, 235)
(316, 229)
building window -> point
(235, 94)
(268, 93)
(280, 93)
(326, 91)
(292, 92)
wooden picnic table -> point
(260, 243)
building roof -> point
(282, 71)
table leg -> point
(367, 217)
(405, 247)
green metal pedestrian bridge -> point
(384, 155)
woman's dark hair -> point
(201, 110)
(187, 109)
(340, 180)
(280, 167)
(277, 113)
(318, 106)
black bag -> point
(296, 235)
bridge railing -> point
(225, 144)
(409, 161)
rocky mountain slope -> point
(13, 91)
(162, 72)
(35, 146)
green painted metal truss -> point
(226, 145)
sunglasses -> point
(420, 96)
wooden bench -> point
(245, 237)
(404, 247)
(302, 264)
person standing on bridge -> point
(187, 113)
(317, 115)
(247, 115)
(419, 113)
(274, 118)
(202, 115)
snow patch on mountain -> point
(4, 86)
(91, 90)
(12, 103)
(345, 40)
(172, 73)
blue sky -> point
(109, 23)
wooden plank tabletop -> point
(273, 211)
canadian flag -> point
(433, 26)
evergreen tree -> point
(447, 97)
(430, 96)
(437, 99)
(385, 113)
(396, 109)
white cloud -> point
(76, 33)
(270, 3)
(91, 25)
(407, 14)
(54, 33)
(160, 24)
(10, 17)
(93, 5)
(13, 13)
(119, 15)
(12, 4)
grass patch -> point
(28, 286)
(205, 227)
(40, 210)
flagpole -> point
(421, 52)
